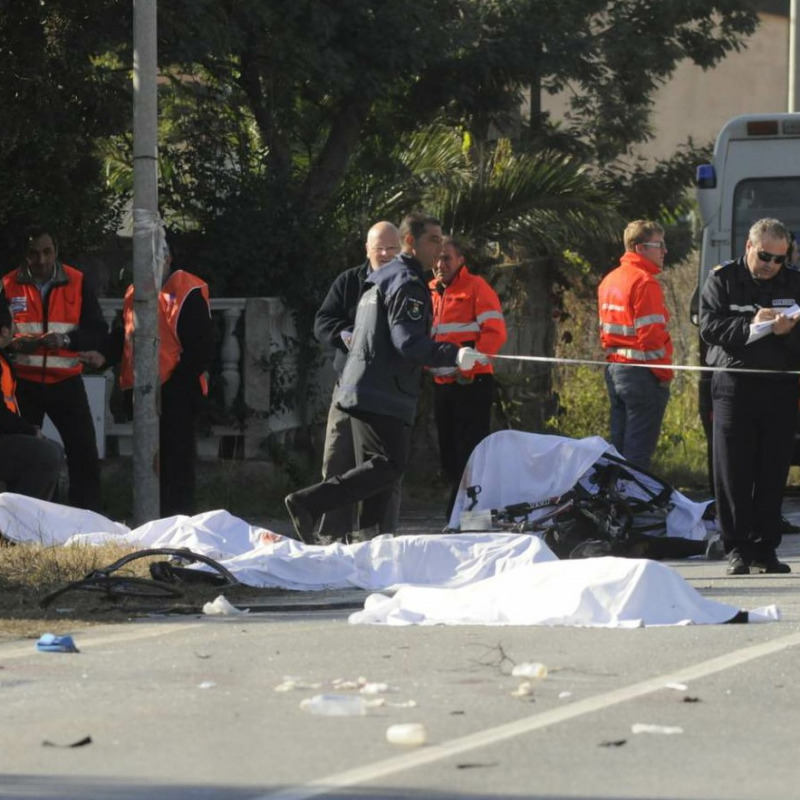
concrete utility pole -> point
(147, 250)
(794, 36)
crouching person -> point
(29, 463)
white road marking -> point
(438, 752)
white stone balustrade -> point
(244, 356)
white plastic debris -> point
(667, 730)
(412, 734)
(336, 705)
(678, 687)
(290, 684)
(530, 669)
(348, 683)
(525, 689)
(564, 695)
(404, 704)
(206, 685)
(222, 607)
(375, 688)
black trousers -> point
(463, 415)
(382, 446)
(754, 426)
(338, 457)
(180, 402)
(67, 406)
(30, 465)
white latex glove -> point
(347, 338)
(467, 357)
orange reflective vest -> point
(8, 384)
(467, 310)
(31, 318)
(171, 298)
(633, 316)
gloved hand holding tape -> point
(467, 357)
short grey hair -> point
(768, 229)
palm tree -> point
(520, 214)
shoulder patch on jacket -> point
(413, 308)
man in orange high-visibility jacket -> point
(29, 462)
(56, 313)
(466, 312)
(186, 338)
(184, 327)
(633, 331)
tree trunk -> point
(525, 387)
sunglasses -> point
(766, 257)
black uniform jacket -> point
(338, 311)
(730, 300)
(392, 342)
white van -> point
(755, 173)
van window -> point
(757, 198)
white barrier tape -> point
(685, 368)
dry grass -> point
(30, 572)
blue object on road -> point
(50, 643)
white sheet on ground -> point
(517, 467)
(25, 519)
(388, 562)
(593, 592)
(475, 578)
(259, 557)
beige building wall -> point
(696, 103)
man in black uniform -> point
(380, 384)
(747, 319)
(333, 326)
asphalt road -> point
(188, 708)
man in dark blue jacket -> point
(380, 384)
(333, 326)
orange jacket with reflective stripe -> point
(31, 318)
(8, 384)
(467, 312)
(633, 316)
(171, 298)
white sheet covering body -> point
(467, 578)
(25, 519)
(258, 557)
(516, 467)
(593, 592)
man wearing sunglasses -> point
(633, 332)
(747, 317)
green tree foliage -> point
(317, 76)
(608, 57)
(282, 118)
(294, 110)
(62, 92)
